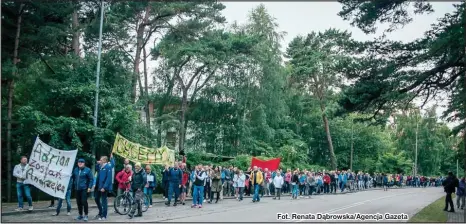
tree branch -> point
(196, 73)
(178, 70)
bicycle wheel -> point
(122, 204)
(145, 203)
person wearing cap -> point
(82, 181)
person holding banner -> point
(20, 173)
(83, 181)
(67, 198)
(103, 187)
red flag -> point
(271, 164)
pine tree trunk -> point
(11, 89)
(137, 58)
(333, 160)
(184, 107)
(464, 99)
(146, 83)
(76, 33)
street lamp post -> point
(97, 81)
(415, 158)
(352, 149)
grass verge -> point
(432, 213)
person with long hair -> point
(216, 186)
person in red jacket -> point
(123, 178)
(326, 183)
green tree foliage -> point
(225, 89)
(391, 74)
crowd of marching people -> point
(209, 184)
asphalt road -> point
(408, 201)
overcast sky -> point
(300, 18)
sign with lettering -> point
(50, 169)
(144, 155)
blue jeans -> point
(148, 192)
(256, 192)
(173, 187)
(295, 190)
(198, 194)
(68, 202)
(342, 186)
(102, 203)
(20, 187)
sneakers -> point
(80, 217)
(150, 206)
(68, 214)
(102, 219)
(200, 206)
(51, 206)
(19, 209)
(97, 217)
(193, 206)
(30, 208)
(85, 218)
(204, 201)
(55, 214)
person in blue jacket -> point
(174, 184)
(342, 178)
(102, 187)
(83, 182)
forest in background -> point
(227, 89)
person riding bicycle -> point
(138, 180)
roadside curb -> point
(110, 206)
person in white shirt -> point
(239, 182)
(20, 173)
(278, 183)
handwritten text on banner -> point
(50, 169)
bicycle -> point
(124, 203)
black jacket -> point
(332, 178)
(295, 179)
(450, 183)
(138, 180)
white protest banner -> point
(50, 169)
